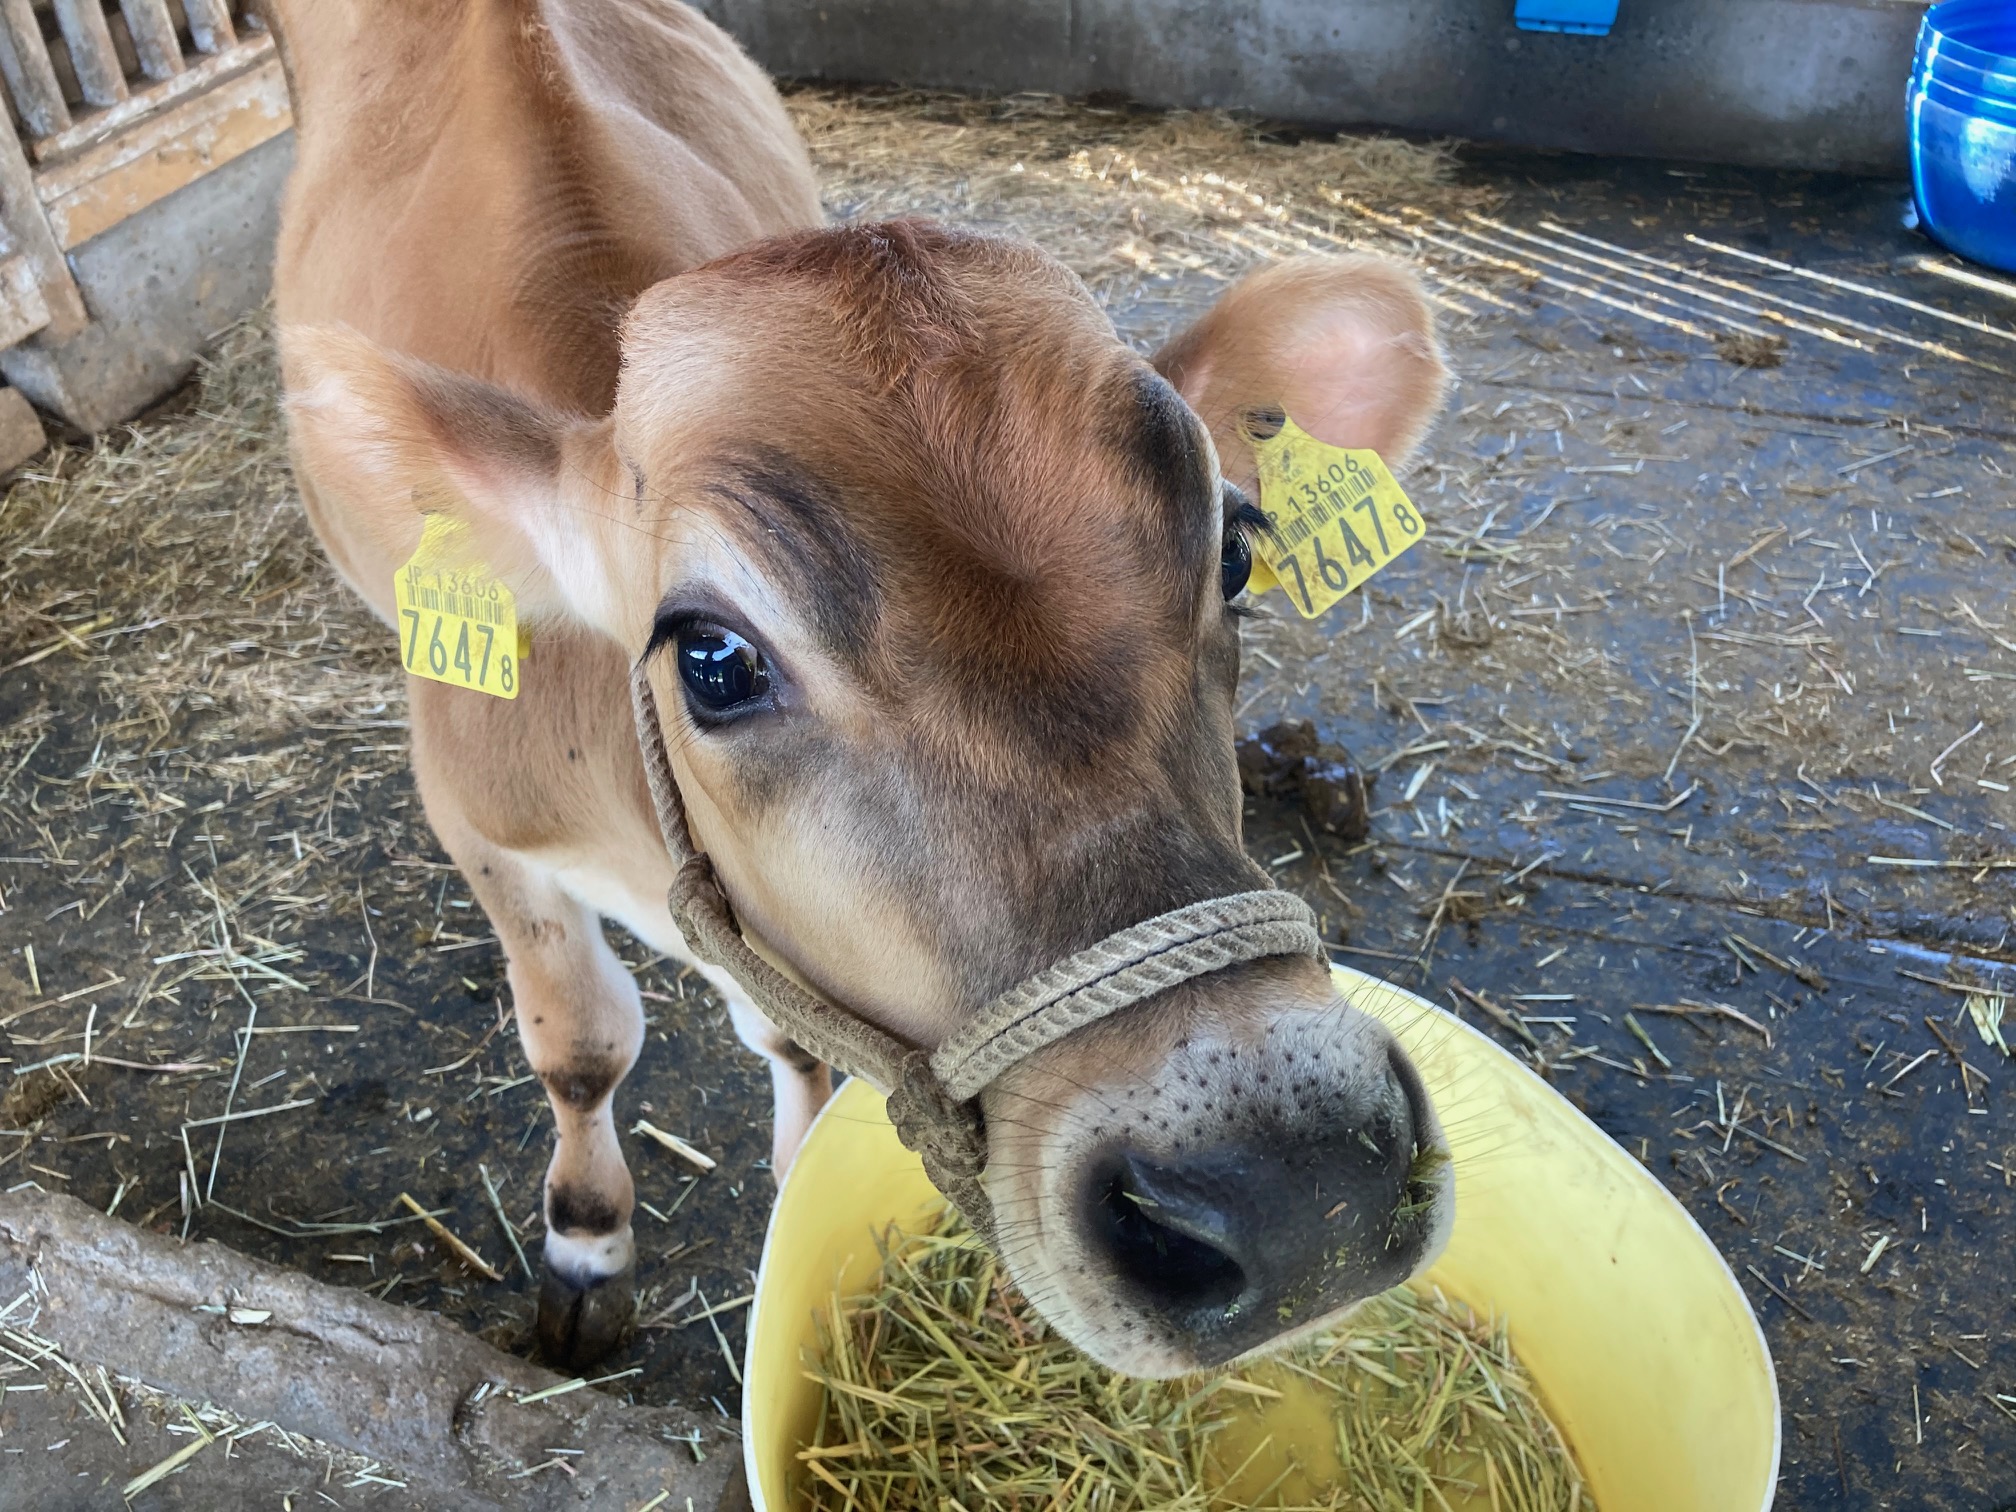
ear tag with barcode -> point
(457, 623)
(1336, 514)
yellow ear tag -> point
(1337, 516)
(457, 624)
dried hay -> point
(1124, 197)
(187, 520)
(942, 1388)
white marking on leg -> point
(590, 1259)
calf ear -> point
(386, 439)
(1346, 345)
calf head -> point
(937, 586)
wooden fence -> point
(114, 104)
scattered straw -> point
(197, 551)
(686, 1152)
(1986, 1010)
(1124, 197)
(159, 1472)
(943, 1388)
(504, 1219)
(441, 1231)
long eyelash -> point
(663, 633)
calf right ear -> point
(1345, 345)
(388, 439)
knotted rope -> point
(933, 1096)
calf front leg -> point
(800, 1082)
(582, 1025)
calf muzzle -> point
(1275, 1226)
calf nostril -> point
(1156, 1238)
(1413, 1095)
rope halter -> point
(934, 1095)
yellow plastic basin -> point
(1641, 1341)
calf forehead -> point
(925, 351)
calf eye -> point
(1236, 564)
(720, 669)
(1235, 561)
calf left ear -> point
(393, 438)
(1345, 345)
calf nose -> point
(1232, 1242)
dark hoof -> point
(581, 1326)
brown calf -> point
(931, 579)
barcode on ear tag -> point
(1335, 514)
(457, 624)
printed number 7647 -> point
(428, 653)
(1359, 561)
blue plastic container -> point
(1588, 18)
(1961, 108)
(1974, 32)
(1977, 81)
(1945, 67)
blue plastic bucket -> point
(1966, 103)
(1946, 68)
(1961, 111)
(1975, 32)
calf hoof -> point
(580, 1326)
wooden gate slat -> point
(31, 78)
(28, 225)
(92, 55)
(93, 191)
(154, 39)
(210, 24)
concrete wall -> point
(1784, 83)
